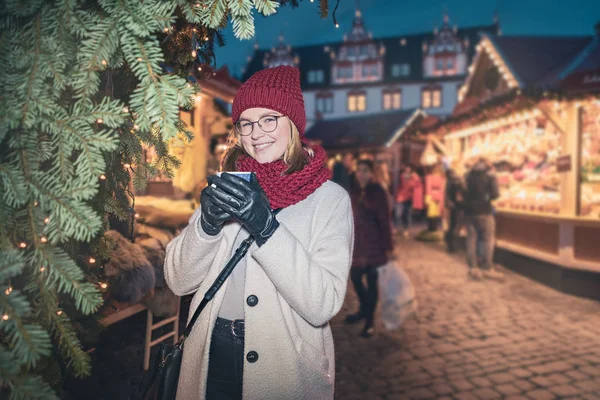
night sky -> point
(395, 17)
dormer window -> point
(316, 76)
(399, 70)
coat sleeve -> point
(494, 190)
(312, 282)
(189, 257)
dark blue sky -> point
(395, 17)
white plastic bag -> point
(397, 295)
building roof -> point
(400, 49)
(361, 131)
(538, 61)
(217, 83)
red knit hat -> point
(274, 88)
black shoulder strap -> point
(240, 252)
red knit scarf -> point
(286, 190)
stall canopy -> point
(363, 132)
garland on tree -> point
(83, 88)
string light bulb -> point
(137, 215)
(199, 68)
(104, 285)
(42, 269)
(5, 317)
(46, 220)
(166, 29)
(99, 120)
(22, 245)
(125, 109)
(35, 203)
(127, 166)
(59, 312)
(102, 177)
(92, 260)
(43, 239)
(194, 53)
(9, 290)
(136, 127)
(104, 62)
(337, 25)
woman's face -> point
(363, 175)
(263, 146)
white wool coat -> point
(299, 276)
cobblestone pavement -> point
(470, 339)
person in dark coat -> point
(372, 241)
(455, 194)
(342, 172)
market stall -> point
(543, 139)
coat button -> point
(252, 356)
(252, 300)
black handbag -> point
(160, 382)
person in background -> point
(372, 242)
(409, 196)
(435, 184)
(455, 193)
(481, 189)
(381, 175)
(343, 171)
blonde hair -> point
(293, 156)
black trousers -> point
(452, 225)
(225, 366)
(367, 295)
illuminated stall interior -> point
(531, 106)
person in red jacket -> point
(372, 241)
(409, 196)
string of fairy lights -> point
(199, 43)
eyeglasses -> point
(267, 124)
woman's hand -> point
(246, 202)
(213, 217)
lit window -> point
(364, 51)
(396, 70)
(431, 98)
(397, 100)
(320, 76)
(357, 102)
(392, 100)
(426, 99)
(437, 98)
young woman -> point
(266, 334)
(372, 242)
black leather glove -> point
(212, 217)
(246, 202)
